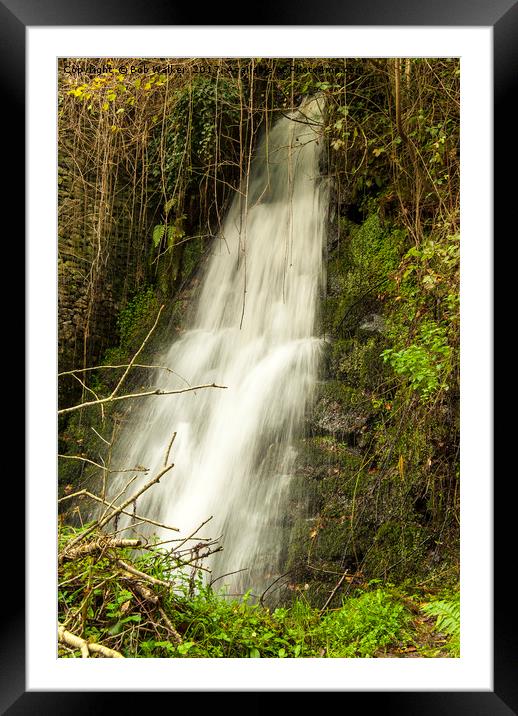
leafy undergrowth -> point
(142, 605)
(365, 623)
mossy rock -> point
(398, 551)
(329, 543)
(319, 450)
(340, 411)
(358, 363)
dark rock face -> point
(373, 323)
(332, 417)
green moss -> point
(329, 543)
(322, 450)
(137, 317)
(376, 250)
(193, 253)
(358, 363)
(398, 551)
(359, 271)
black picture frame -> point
(502, 16)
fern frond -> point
(448, 620)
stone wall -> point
(101, 260)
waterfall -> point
(254, 331)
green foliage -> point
(172, 232)
(448, 620)
(423, 364)
(189, 144)
(386, 515)
(415, 159)
(425, 327)
(359, 365)
(364, 625)
(435, 262)
(158, 233)
(398, 546)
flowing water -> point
(254, 332)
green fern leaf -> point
(448, 620)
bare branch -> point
(227, 574)
(146, 594)
(166, 459)
(193, 533)
(176, 637)
(98, 524)
(337, 587)
(139, 468)
(113, 503)
(139, 518)
(123, 365)
(261, 598)
(100, 436)
(111, 399)
(132, 361)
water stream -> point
(254, 331)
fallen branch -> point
(85, 647)
(176, 636)
(104, 650)
(142, 575)
(146, 594)
(98, 545)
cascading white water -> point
(254, 332)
